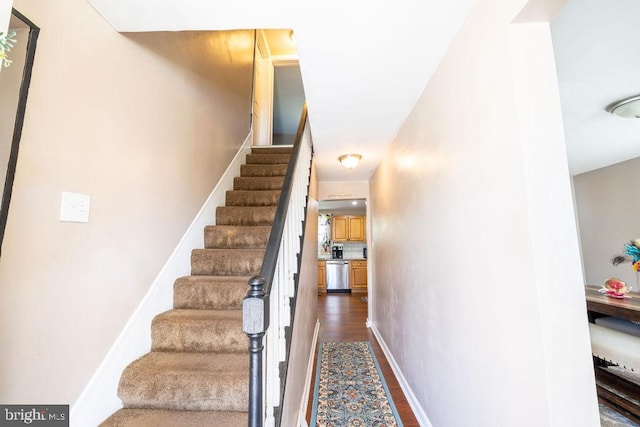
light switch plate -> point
(74, 207)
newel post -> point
(253, 315)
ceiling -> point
(281, 42)
(596, 44)
(363, 63)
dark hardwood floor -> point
(343, 318)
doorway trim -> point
(262, 97)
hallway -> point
(343, 318)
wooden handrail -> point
(256, 304)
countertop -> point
(343, 259)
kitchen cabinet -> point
(348, 228)
(322, 284)
(358, 275)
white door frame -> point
(262, 92)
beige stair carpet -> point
(197, 373)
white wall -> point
(554, 239)
(608, 217)
(475, 239)
(145, 124)
(329, 190)
(5, 14)
(305, 316)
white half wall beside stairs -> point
(305, 323)
(99, 398)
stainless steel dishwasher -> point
(338, 276)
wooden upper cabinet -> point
(356, 228)
(348, 228)
(340, 228)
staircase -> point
(196, 373)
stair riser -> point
(198, 335)
(178, 392)
(158, 417)
(264, 170)
(207, 402)
(267, 159)
(234, 237)
(258, 183)
(186, 381)
(209, 295)
(217, 262)
(272, 150)
(253, 198)
(243, 215)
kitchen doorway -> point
(342, 247)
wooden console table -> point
(597, 303)
(614, 391)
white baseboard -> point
(304, 403)
(99, 398)
(418, 411)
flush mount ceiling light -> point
(628, 108)
(350, 161)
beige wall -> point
(608, 217)
(306, 313)
(468, 214)
(330, 190)
(145, 124)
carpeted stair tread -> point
(197, 373)
(273, 149)
(278, 169)
(186, 381)
(226, 262)
(267, 159)
(218, 331)
(245, 215)
(258, 182)
(252, 197)
(210, 292)
(236, 236)
(134, 417)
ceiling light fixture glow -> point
(350, 161)
(628, 108)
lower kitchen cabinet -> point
(358, 276)
(322, 276)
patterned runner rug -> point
(350, 389)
